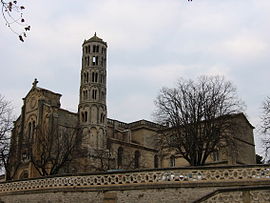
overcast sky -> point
(151, 43)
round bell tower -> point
(92, 106)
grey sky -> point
(151, 43)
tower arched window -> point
(95, 60)
(96, 77)
(156, 160)
(101, 78)
(85, 61)
(84, 115)
(93, 76)
(85, 95)
(94, 94)
(120, 157)
(85, 77)
(137, 159)
(102, 118)
(172, 161)
(102, 95)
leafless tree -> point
(52, 147)
(101, 160)
(104, 160)
(265, 126)
(12, 14)
(199, 116)
(6, 124)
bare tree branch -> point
(12, 14)
(6, 125)
(265, 127)
(52, 147)
(198, 114)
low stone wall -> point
(149, 186)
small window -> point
(84, 116)
(215, 156)
(93, 77)
(29, 130)
(94, 94)
(85, 95)
(95, 60)
(172, 161)
(102, 118)
(137, 159)
(96, 77)
(101, 78)
(120, 157)
(85, 77)
(156, 160)
(103, 50)
(33, 129)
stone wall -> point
(206, 184)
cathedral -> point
(48, 140)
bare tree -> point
(52, 147)
(265, 126)
(12, 14)
(100, 159)
(6, 124)
(199, 116)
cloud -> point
(151, 44)
(243, 47)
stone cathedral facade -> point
(103, 143)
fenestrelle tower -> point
(92, 105)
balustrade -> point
(166, 176)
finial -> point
(95, 34)
(35, 83)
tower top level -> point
(95, 38)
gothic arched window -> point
(29, 130)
